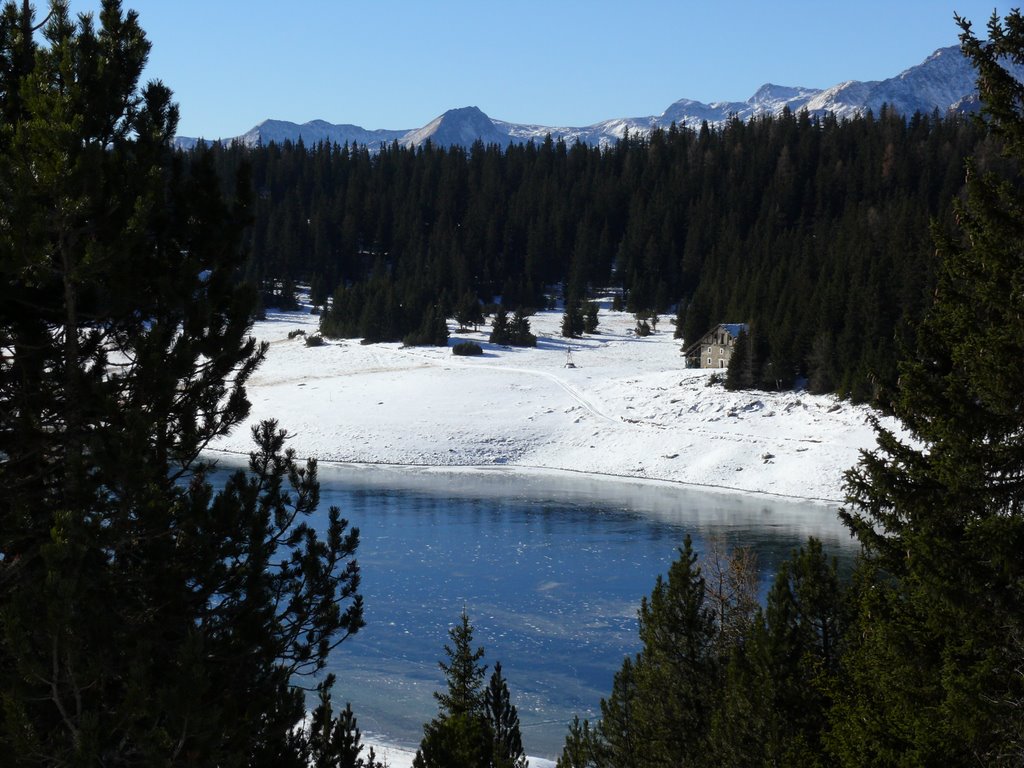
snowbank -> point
(628, 408)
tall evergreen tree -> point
(573, 320)
(581, 747)
(500, 327)
(503, 718)
(334, 740)
(677, 668)
(459, 736)
(519, 334)
(144, 618)
(941, 514)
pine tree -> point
(677, 667)
(775, 706)
(503, 719)
(469, 312)
(145, 619)
(499, 327)
(943, 512)
(459, 736)
(519, 334)
(572, 319)
(581, 747)
(334, 740)
(616, 739)
(590, 321)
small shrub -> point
(316, 340)
(467, 349)
(296, 332)
(713, 379)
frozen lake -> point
(551, 570)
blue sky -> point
(394, 64)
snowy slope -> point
(944, 81)
(627, 409)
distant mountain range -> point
(945, 81)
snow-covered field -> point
(628, 408)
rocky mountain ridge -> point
(945, 81)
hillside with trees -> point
(815, 232)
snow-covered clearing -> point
(629, 408)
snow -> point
(627, 409)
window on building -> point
(721, 363)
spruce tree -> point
(459, 736)
(519, 334)
(677, 668)
(500, 327)
(145, 619)
(334, 740)
(503, 719)
(572, 319)
(581, 748)
(940, 513)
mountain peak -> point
(771, 93)
(944, 81)
(462, 126)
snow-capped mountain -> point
(459, 126)
(944, 81)
(317, 131)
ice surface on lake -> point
(550, 571)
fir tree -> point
(503, 719)
(500, 332)
(941, 514)
(519, 334)
(469, 312)
(590, 321)
(334, 740)
(581, 747)
(459, 736)
(572, 320)
(677, 666)
(146, 619)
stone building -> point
(715, 347)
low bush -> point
(467, 349)
(316, 340)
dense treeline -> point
(816, 232)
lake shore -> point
(628, 410)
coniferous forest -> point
(816, 232)
(151, 614)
